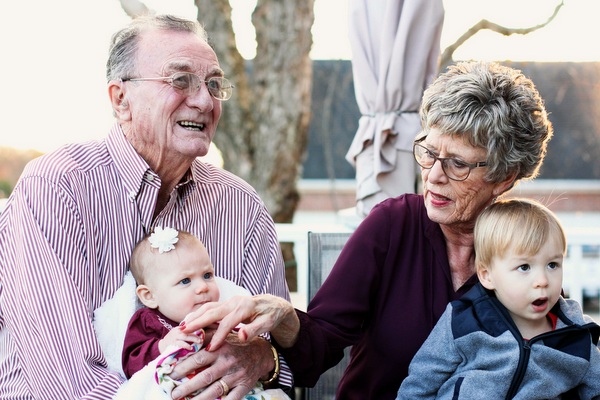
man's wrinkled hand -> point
(229, 372)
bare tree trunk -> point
(237, 120)
(264, 127)
(283, 73)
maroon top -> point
(146, 328)
(385, 293)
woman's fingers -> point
(259, 314)
(208, 314)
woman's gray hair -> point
(124, 43)
(494, 107)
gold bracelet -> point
(276, 370)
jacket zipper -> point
(525, 352)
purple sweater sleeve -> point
(141, 340)
(336, 314)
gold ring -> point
(225, 387)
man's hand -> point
(239, 365)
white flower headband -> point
(163, 239)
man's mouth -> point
(191, 125)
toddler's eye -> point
(185, 281)
(524, 267)
(553, 265)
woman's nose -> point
(436, 172)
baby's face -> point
(183, 280)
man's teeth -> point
(193, 125)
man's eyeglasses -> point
(455, 169)
(187, 83)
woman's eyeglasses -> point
(455, 169)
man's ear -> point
(483, 273)
(146, 296)
(118, 100)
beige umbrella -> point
(395, 51)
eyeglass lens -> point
(220, 88)
(453, 168)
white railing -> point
(582, 264)
(298, 234)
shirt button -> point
(149, 177)
(132, 195)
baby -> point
(171, 275)
(174, 277)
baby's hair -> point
(143, 251)
(523, 224)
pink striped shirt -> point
(66, 236)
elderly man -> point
(68, 229)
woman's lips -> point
(439, 196)
(438, 199)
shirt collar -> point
(553, 319)
(131, 166)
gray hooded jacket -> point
(476, 352)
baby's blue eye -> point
(185, 281)
(208, 275)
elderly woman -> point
(484, 129)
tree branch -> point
(446, 57)
(134, 8)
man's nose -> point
(201, 98)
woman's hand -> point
(229, 372)
(258, 314)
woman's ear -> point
(146, 297)
(505, 185)
(118, 100)
(483, 273)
